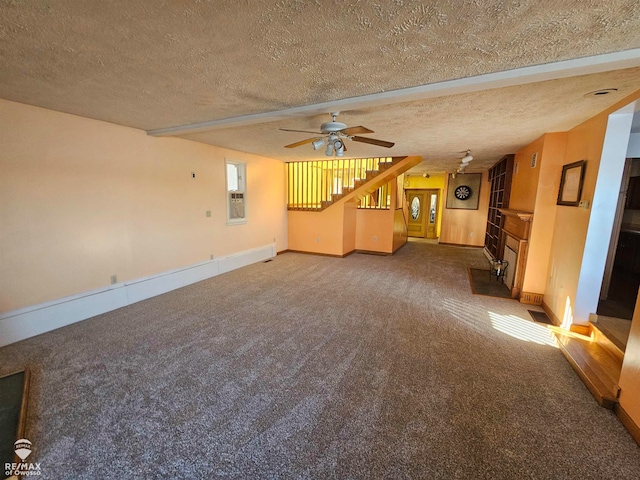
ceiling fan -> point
(333, 134)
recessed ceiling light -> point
(601, 92)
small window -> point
(236, 194)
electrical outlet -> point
(193, 174)
(534, 160)
(318, 239)
(114, 279)
(375, 238)
(208, 213)
(212, 256)
(471, 234)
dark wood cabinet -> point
(628, 252)
(500, 178)
(633, 194)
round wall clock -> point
(463, 192)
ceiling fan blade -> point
(373, 141)
(297, 144)
(301, 131)
(355, 130)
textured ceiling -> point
(161, 64)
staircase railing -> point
(314, 185)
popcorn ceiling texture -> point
(492, 123)
(159, 64)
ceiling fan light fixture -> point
(334, 134)
(329, 151)
(317, 144)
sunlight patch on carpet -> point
(472, 316)
(521, 329)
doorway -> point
(619, 204)
(423, 213)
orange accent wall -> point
(318, 232)
(630, 375)
(82, 200)
(375, 231)
(466, 227)
(382, 231)
(551, 149)
(524, 183)
(583, 142)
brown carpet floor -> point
(316, 367)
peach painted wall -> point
(551, 150)
(318, 232)
(377, 230)
(467, 227)
(82, 200)
(374, 230)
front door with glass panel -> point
(416, 224)
(423, 213)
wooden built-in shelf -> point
(500, 176)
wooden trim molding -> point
(552, 316)
(33, 320)
(460, 245)
(373, 252)
(334, 255)
(628, 422)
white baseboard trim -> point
(34, 320)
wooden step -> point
(614, 331)
(598, 366)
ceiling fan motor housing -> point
(332, 127)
